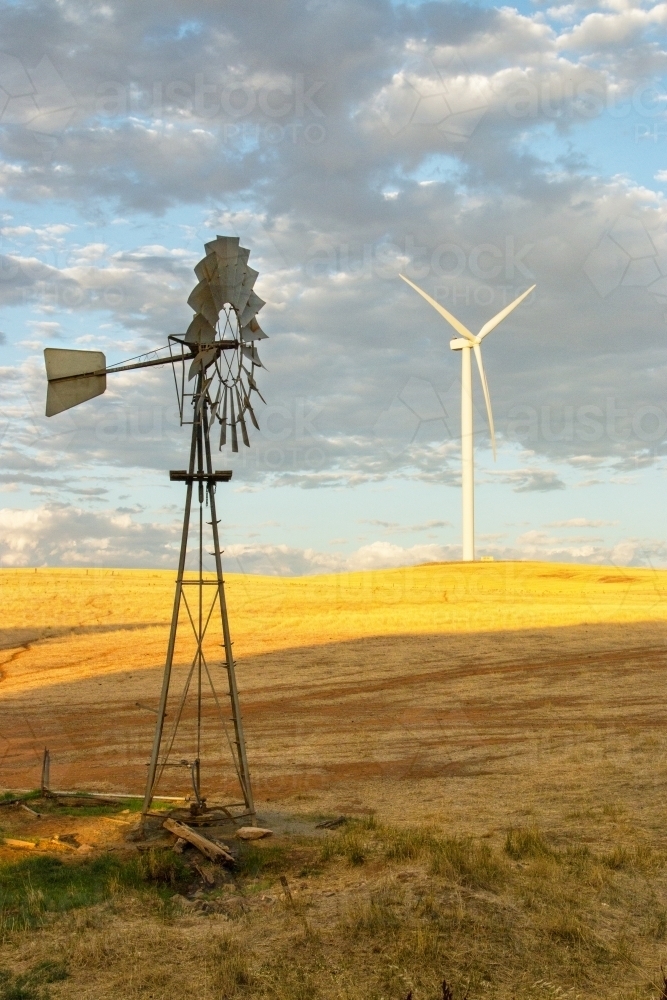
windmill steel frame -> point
(200, 471)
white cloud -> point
(63, 535)
(580, 522)
(599, 30)
(530, 480)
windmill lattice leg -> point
(200, 471)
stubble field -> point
(475, 692)
(469, 700)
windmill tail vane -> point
(219, 344)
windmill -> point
(466, 343)
(214, 365)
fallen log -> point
(210, 850)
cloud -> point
(600, 30)
(580, 522)
(394, 526)
(536, 544)
(63, 535)
(530, 480)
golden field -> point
(495, 732)
(429, 680)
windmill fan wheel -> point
(225, 332)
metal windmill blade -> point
(226, 289)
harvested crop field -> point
(478, 693)
(485, 741)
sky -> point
(476, 149)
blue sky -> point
(484, 149)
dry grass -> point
(497, 730)
(512, 681)
(558, 922)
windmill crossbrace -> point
(182, 476)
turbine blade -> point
(452, 320)
(487, 398)
(499, 317)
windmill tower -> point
(219, 351)
(466, 343)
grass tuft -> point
(375, 917)
(231, 969)
(348, 845)
(640, 858)
(468, 863)
(528, 842)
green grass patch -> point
(31, 985)
(33, 887)
(253, 861)
(23, 797)
(79, 804)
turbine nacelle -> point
(459, 343)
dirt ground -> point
(475, 695)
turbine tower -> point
(466, 343)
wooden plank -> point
(212, 851)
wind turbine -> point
(466, 343)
